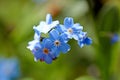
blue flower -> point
(45, 52)
(58, 42)
(32, 45)
(83, 39)
(37, 34)
(45, 27)
(48, 48)
(9, 69)
(70, 29)
(114, 38)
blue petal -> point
(54, 34)
(36, 30)
(77, 29)
(75, 36)
(37, 33)
(38, 54)
(77, 26)
(82, 35)
(114, 38)
(80, 43)
(48, 59)
(60, 28)
(47, 43)
(33, 44)
(37, 36)
(88, 41)
(64, 47)
(68, 22)
(48, 19)
(55, 51)
(64, 38)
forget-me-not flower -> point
(45, 27)
(114, 38)
(9, 69)
(58, 43)
(84, 40)
(45, 52)
(34, 43)
(70, 29)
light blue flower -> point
(58, 42)
(114, 38)
(9, 69)
(37, 35)
(45, 27)
(34, 43)
(45, 52)
(84, 40)
(70, 29)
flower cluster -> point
(51, 38)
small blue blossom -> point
(58, 44)
(9, 69)
(45, 52)
(70, 29)
(45, 27)
(114, 38)
(83, 39)
(35, 43)
(37, 34)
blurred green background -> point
(99, 18)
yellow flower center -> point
(57, 42)
(45, 51)
(69, 30)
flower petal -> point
(47, 43)
(75, 36)
(36, 30)
(64, 48)
(64, 37)
(37, 35)
(38, 54)
(42, 27)
(68, 22)
(77, 26)
(114, 38)
(32, 44)
(54, 23)
(48, 19)
(88, 41)
(54, 34)
(48, 59)
(80, 43)
(55, 51)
